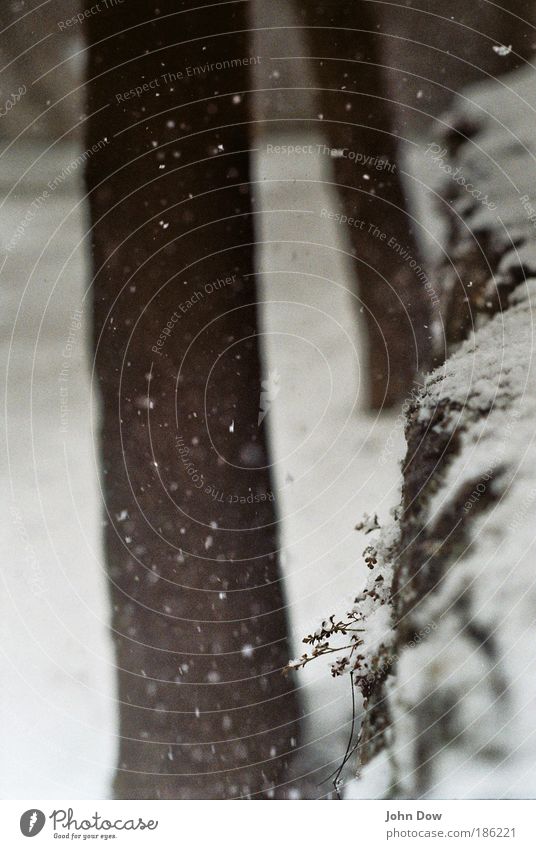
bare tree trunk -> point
(191, 542)
(358, 117)
(382, 73)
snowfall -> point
(333, 461)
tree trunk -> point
(191, 535)
(453, 690)
(358, 121)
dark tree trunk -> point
(382, 72)
(191, 537)
(358, 119)
(191, 541)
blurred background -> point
(333, 459)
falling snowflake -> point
(502, 49)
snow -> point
(58, 720)
(462, 696)
(328, 467)
(496, 695)
(57, 703)
(502, 49)
(368, 524)
(471, 670)
(332, 462)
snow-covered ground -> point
(57, 710)
(57, 699)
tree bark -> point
(191, 534)
(450, 695)
(359, 122)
